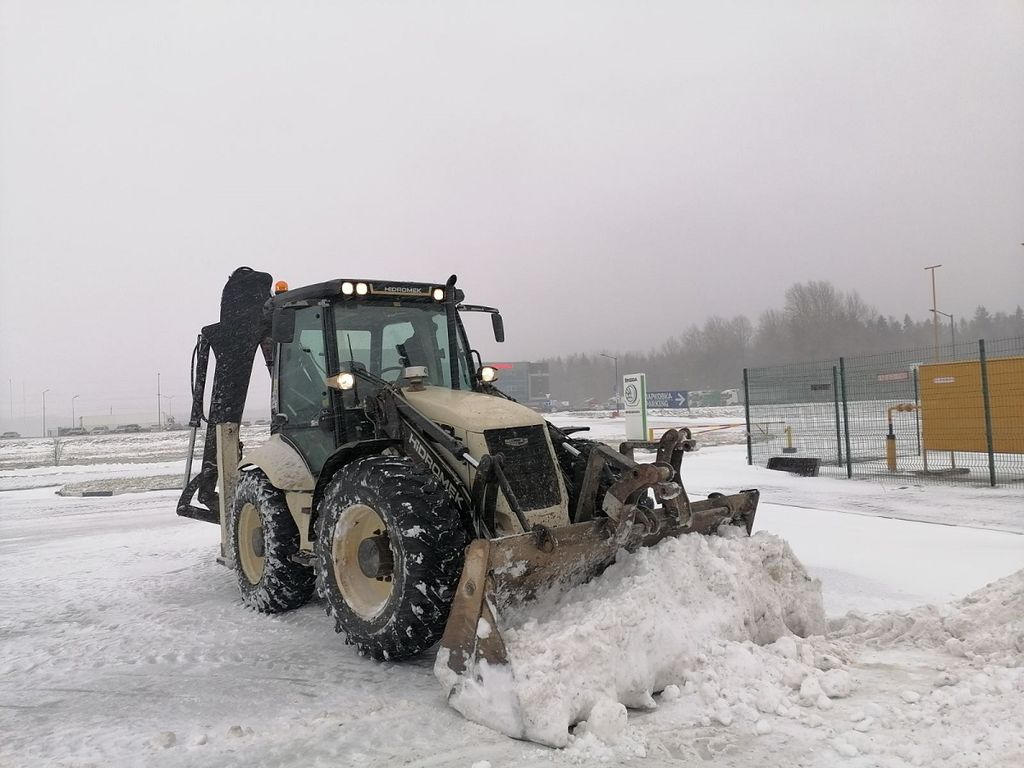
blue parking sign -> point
(673, 398)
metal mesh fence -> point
(949, 415)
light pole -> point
(44, 411)
(73, 410)
(935, 317)
(170, 405)
(158, 403)
(952, 328)
(616, 389)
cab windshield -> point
(388, 337)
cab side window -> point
(440, 330)
(302, 390)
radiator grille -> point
(528, 465)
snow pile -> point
(111, 485)
(960, 713)
(714, 624)
(987, 626)
(690, 613)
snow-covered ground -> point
(123, 643)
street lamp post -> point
(935, 317)
(44, 411)
(170, 405)
(616, 388)
(73, 410)
(952, 328)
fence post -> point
(988, 413)
(746, 407)
(839, 434)
(846, 417)
(917, 412)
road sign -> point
(672, 398)
(894, 376)
(634, 395)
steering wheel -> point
(392, 368)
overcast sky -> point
(607, 173)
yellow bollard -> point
(890, 450)
(890, 439)
(789, 440)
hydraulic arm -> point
(243, 327)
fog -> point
(606, 173)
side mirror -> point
(282, 327)
(499, 327)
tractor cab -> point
(383, 329)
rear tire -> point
(263, 540)
(400, 507)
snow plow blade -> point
(502, 574)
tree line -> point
(817, 322)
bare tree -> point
(817, 322)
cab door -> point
(302, 403)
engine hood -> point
(470, 411)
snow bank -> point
(714, 623)
(962, 708)
(689, 613)
(111, 485)
(987, 626)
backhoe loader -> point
(398, 482)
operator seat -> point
(413, 351)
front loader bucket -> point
(501, 574)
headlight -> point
(347, 288)
(361, 289)
(488, 374)
(438, 294)
(343, 381)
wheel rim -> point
(366, 596)
(250, 529)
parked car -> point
(102, 429)
(129, 428)
(74, 431)
(9, 435)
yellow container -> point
(953, 406)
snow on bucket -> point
(644, 624)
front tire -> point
(264, 540)
(390, 550)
